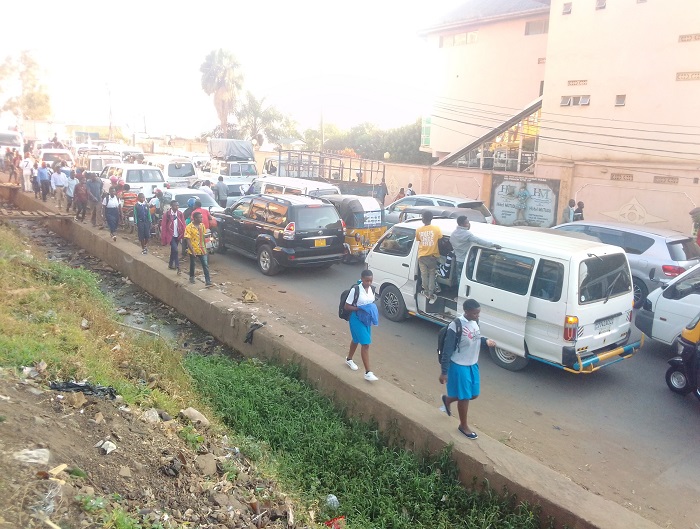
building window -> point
(537, 27)
(425, 133)
(460, 39)
(567, 8)
(472, 37)
(600, 4)
(575, 101)
(620, 100)
(447, 42)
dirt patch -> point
(153, 475)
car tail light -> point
(672, 271)
(342, 223)
(570, 328)
(289, 231)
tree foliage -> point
(255, 119)
(222, 78)
(368, 141)
(33, 102)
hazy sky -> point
(358, 61)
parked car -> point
(183, 194)
(416, 212)
(392, 212)
(50, 156)
(141, 178)
(286, 185)
(283, 231)
(668, 309)
(670, 252)
(178, 171)
(94, 162)
(237, 186)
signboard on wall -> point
(521, 201)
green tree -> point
(33, 102)
(256, 119)
(222, 78)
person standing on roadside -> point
(112, 209)
(172, 229)
(382, 192)
(26, 167)
(221, 192)
(143, 220)
(36, 186)
(58, 184)
(568, 213)
(44, 180)
(409, 190)
(71, 182)
(363, 314)
(194, 236)
(461, 239)
(459, 367)
(94, 187)
(80, 199)
(428, 254)
(206, 187)
(578, 212)
(401, 194)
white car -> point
(393, 211)
(141, 178)
(50, 156)
(182, 195)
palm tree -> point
(221, 76)
(255, 118)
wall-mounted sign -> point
(580, 82)
(524, 201)
(689, 38)
(621, 177)
(688, 76)
(665, 179)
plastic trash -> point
(39, 456)
(84, 387)
(332, 501)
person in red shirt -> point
(207, 219)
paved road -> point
(619, 432)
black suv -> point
(283, 231)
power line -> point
(582, 117)
(452, 108)
(601, 146)
(569, 159)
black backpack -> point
(443, 333)
(342, 313)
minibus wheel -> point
(393, 306)
(506, 359)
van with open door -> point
(560, 300)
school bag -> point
(443, 334)
(345, 314)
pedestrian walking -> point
(428, 254)
(26, 167)
(172, 229)
(143, 220)
(15, 160)
(381, 192)
(459, 368)
(409, 190)
(44, 180)
(221, 192)
(363, 315)
(36, 186)
(94, 187)
(194, 236)
(578, 212)
(206, 187)
(80, 199)
(401, 194)
(58, 184)
(112, 209)
(69, 190)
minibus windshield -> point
(603, 277)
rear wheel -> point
(506, 359)
(677, 381)
(640, 292)
(393, 306)
(266, 261)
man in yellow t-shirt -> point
(194, 236)
(428, 254)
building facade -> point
(617, 127)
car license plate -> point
(320, 242)
(602, 326)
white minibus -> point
(278, 185)
(563, 301)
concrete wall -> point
(419, 423)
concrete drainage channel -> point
(420, 424)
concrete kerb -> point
(419, 424)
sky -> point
(353, 62)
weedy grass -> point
(44, 304)
(321, 452)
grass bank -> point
(321, 452)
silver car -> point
(670, 252)
(393, 211)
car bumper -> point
(289, 258)
(644, 321)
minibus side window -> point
(503, 270)
(398, 241)
(603, 277)
(549, 280)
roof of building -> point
(482, 10)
